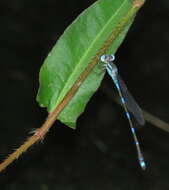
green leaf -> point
(102, 27)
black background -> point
(100, 154)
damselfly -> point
(127, 101)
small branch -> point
(155, 121)
(41, 132)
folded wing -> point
(132, 106)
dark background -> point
(100, 154)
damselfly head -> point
(107, 58)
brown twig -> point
(41, 132)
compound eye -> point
(112, 57)
(103, 58)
